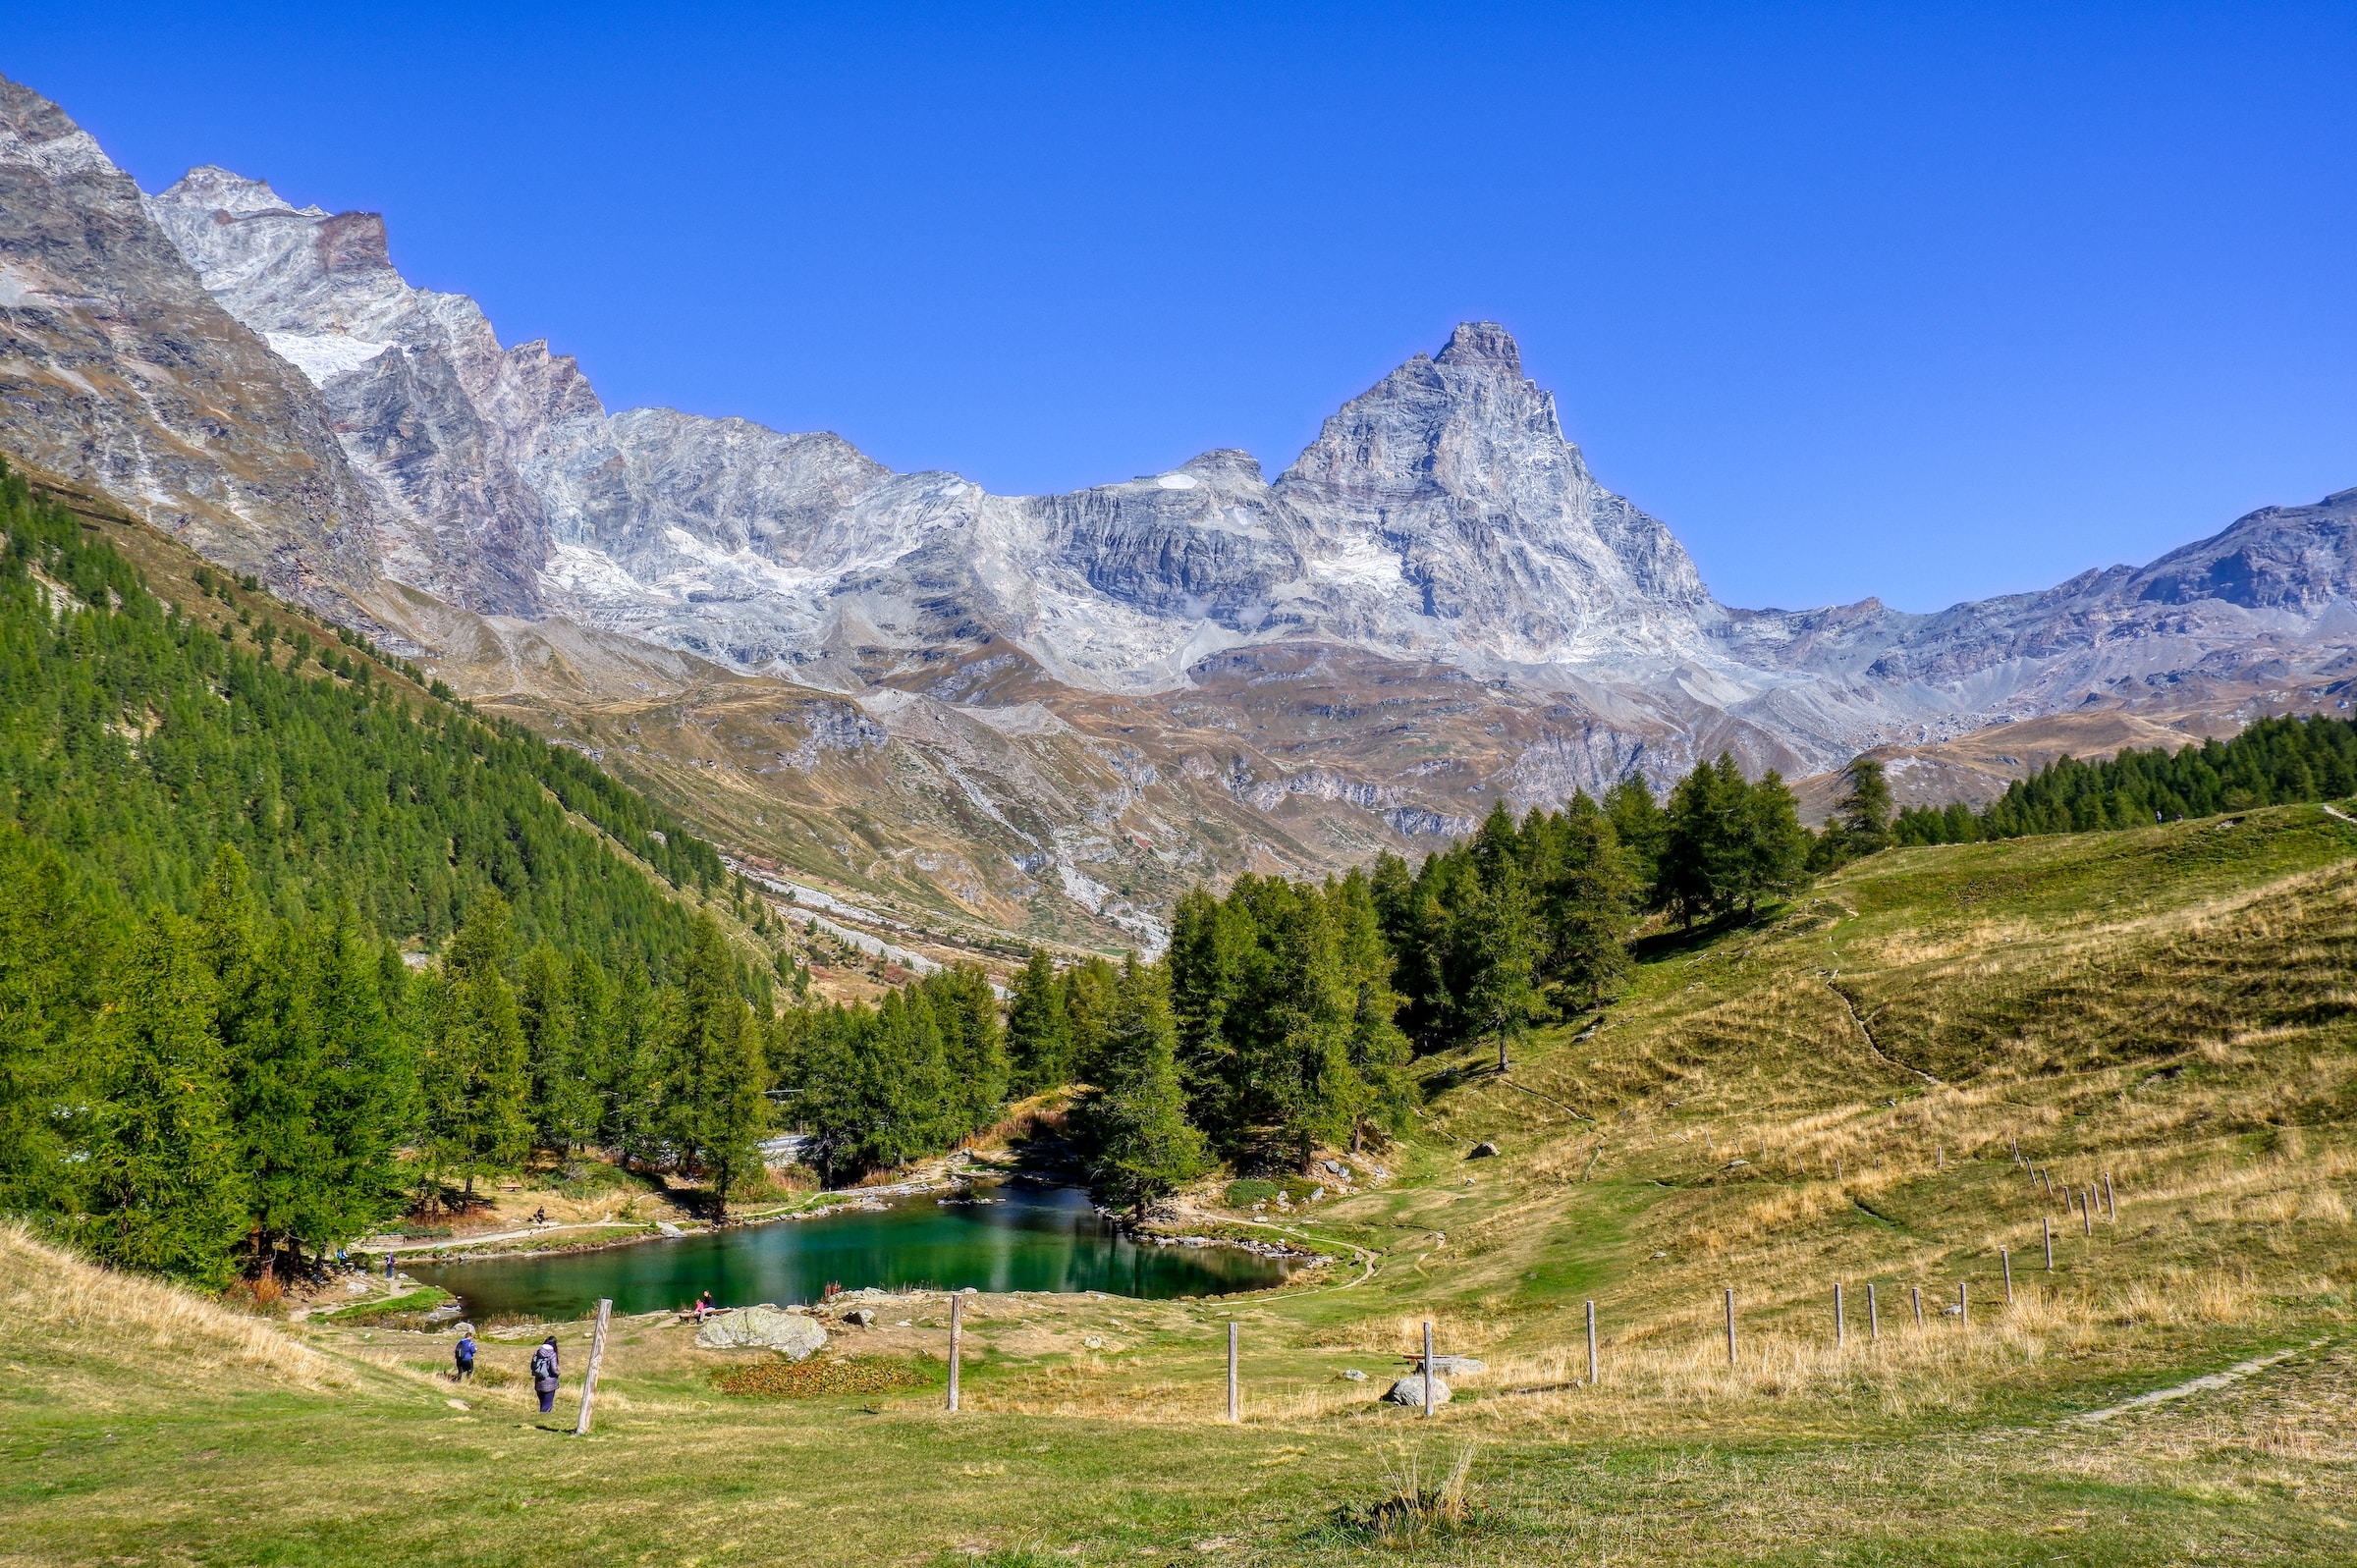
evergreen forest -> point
(225, 852)
(2275, 762)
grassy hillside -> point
(2169, 1007)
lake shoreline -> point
(1009, 1237)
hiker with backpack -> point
(464, 1354)
(545, 1373)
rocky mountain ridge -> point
(1118, 690)
(1440, 516)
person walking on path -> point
(545, 1373)
(464, 1354)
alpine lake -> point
(1001, 1237)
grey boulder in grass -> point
(795, 1335)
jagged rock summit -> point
(124, 376)
(1441, 516)
(1434, 605)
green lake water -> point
(1027, 1238)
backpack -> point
(545, 1364)
(466, 1348)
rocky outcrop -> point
(793, 1334)
(120, 374)
(428, 407)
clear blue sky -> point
(1920, 301)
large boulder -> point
(794, 1333)
(1409, 1390)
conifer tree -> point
(1589, 908)
(1773, 863)
(563, 1105)
(48, 942)
(364, 1099)
(1379, 1049)
(589, 996)
(1702, 847)
(903, 1085)
(1415, 927)
(1642, 830)
(1314, 1085)
(1218, 964)
(631, 1118)
(737, 1114)
(1088, 992)
(1497, 844)
(1039, 1040)
(164, 1191)
(974, 1044)
(1864, 813)
(1496, 943)
(713, 1109)
(477, 1066)
(1145, 1145)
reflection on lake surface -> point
(1025, 1238)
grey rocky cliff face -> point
(1442, 515)
(426, 406)
(120, 373)
(263, 379)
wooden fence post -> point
(1963, 1305)
(1233, 1412)
(2046, 1222)
(1841, 1331)
(1428, 1372)
(1917, 1292)
(1591, 1344)
(597, 1357)
(2087, 1212)
(2110, 1203)
(2006, 1258)
(957, 1343)
(1730, 1328)
(1873, 1316)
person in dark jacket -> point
(545, 1373)
(464, 1353)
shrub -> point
(780, 1379)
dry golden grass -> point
(1401, 1333)
(61, 1310)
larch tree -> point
(1864, 813)
(1039, 1038)
(165, 1194)
(477, 1066)
(1145, 1145)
